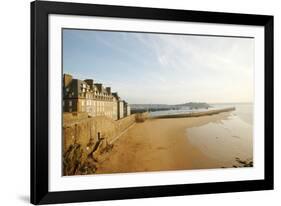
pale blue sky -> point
(162, 68)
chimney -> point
(115, 94)
(90, 82)
(67, 79)
(108, 89)
(99, 86)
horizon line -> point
(198, 102)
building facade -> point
(93, 98)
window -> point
(70, 103)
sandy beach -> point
(163, 144)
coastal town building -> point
(93, 98)
(127, 109)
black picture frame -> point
(39, 102)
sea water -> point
(227, 141)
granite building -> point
(93, 98)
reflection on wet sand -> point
(227, 140)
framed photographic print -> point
(130, 102)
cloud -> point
(163, 68)
(200, 65)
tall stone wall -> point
(86, 140)
(74, 116)
(124, 123)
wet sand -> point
(165, 144)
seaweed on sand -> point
(243, 163)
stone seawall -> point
(74, 116)
(85, 140)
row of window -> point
(89, 103)
(96, 108)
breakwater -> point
(195, 114)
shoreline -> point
(161, 144)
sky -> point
(150, 68)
